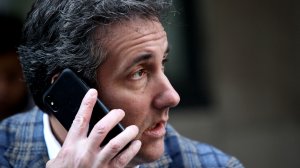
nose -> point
(166, 95)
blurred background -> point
(236, 65)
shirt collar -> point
(53, 146)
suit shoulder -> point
(22, 118)
(18, 122)
(194, 153)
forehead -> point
(127, 41)
(127, 30)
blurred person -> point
(14, 95)
(119, 48)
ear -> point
(54, 77)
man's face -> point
(132, 78)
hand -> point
(79, 150)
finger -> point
(80, 124)
(127, 155)
(103, 126)
(118, 143)
(49, 164)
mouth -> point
(158, 130)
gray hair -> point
(58, 34)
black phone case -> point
(63, 99)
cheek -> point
(136, 106)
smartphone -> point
(63, 99)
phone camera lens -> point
(51, 103)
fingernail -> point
(137, 142)
(93, 92)
(135, 127)
(119, 111)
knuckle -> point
(101, 129)
(80, 120)
(82, 162)
(115, 146)
(64, 152)
(121, 161)
(83, 159)
(88, 103)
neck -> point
(58, 130)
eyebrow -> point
(145, 57)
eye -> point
(138, 74)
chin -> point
(150, 151)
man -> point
(118, 47)
(14, 95)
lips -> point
(157, 130)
